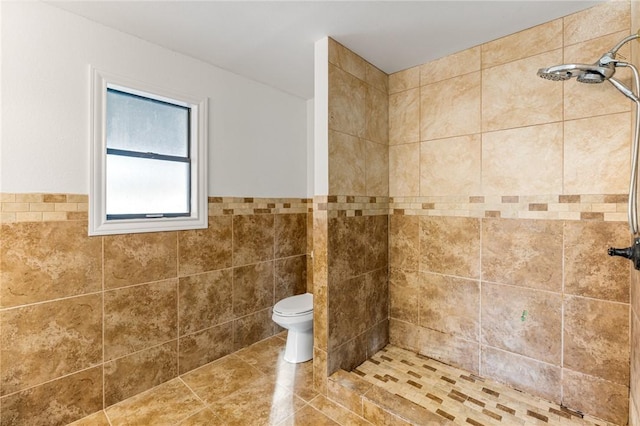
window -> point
(148, 159)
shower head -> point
(585, 73)
(589, 73)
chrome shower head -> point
(585, 73)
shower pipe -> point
(598, 72)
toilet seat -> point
(294, 306)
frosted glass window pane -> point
(143, 186)
(140, 124)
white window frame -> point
(98, 223)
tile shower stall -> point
(469, 208)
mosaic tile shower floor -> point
(459, 396)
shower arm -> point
(610, 56)
(632, 209)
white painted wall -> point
(310, 147)
(321, 117)
(257, 134)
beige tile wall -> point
(505, 192)
(350, 229)
(89, 321)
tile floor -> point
(459, 396)
(255, 386)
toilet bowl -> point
(295, 313)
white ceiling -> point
(272, 41)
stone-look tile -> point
(596, 338)
(596, 21)
(634, 412)
(320, 317)
(45, 341)
(205, 300)
(530, 42)
(505, 86)
(308, 415)
(139, 317)
(376, 169)
(203, 417)
(252, 328)
(346, 247)
(203, 250)
(309, 273)
(377, 116)
(347, 102)
(253, 239)
(525, 253)
(404, 242)
(136, 373)
(404, 117)
(337, 412)
(205, 346)
(404, 295)
(377, 337)
(587, 100)
(139, 258)
(264, 402)
(450, 107)
(523, 321)
(404, 170)
(601, 398)
(380, 406)
(406, 335)
(320, 370)
(346, 317)
(526, 160)
(588, 270)
(98, 418)
(268, 357)
(441, 159)
(58, 402)
(218, 379)
(448, 349)
(320, 249)
(348, 390)
(349, 355)
(457, 64)
(253, 287)
(635, 359)
(290, 277)
(165, 404)
(347, 164)
(404, 80)
(594, 167)
(450, 245)
(377, 242)
(345, 59)
(536, 378)
(290, 234)
(44, 261)
(450, 305)
(376, 78)
(376, 292)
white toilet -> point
(295, 313)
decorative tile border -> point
(351, 205)
(604, 207)
(40, 207)
(220, 206)
(43, 207)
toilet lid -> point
(295, 305)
